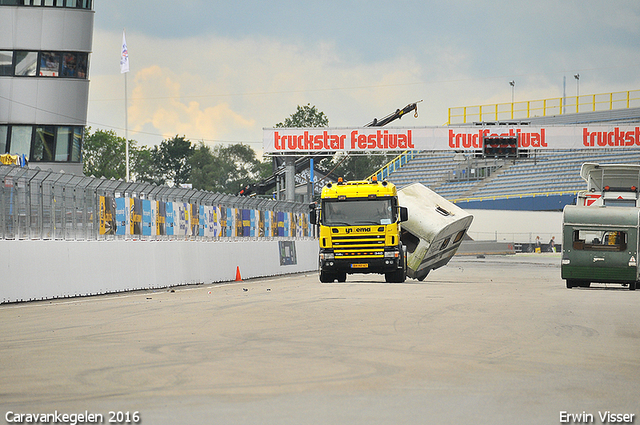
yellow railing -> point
(544, 107)
(392, 165)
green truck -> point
(600, 235)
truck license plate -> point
(359, 266)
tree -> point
(144, 166)
(305, 116)
(225, 169)
(103, 155)
(171, 159)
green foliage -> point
(103, 154)
(305, 116)
(226, 169)
(172, 161)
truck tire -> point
(632, 286)
(327, 277)
(398, 276)
(342, 277)
(571, 283)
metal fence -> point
(37, 204)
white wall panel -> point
(27, 31)
(46, 28)
(35, 270)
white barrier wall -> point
(45, 269)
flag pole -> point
(124, 69)
(126, 126)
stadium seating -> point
(543, 172)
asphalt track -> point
(498, 340)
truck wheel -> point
(327, 277)
(342, 277)
(570, 283)
(398, 276)
(632, 286)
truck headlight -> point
(327, 255)
(391, 254)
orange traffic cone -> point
(238, 277)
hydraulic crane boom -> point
(396, 115)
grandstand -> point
(542, 180)
(547, 180)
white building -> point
(45, 48)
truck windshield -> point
(357, 212)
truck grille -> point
(358, 246)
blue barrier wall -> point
(524, 203)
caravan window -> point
(599, 240)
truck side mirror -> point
(404, 214)
(312, 213)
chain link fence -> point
(37, 204)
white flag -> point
(124, 57)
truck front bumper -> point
(360, 265)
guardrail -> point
(37, 204)
(544, 107)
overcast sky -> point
(220, 71)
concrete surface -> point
(498, 340)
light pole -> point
(577, 77)
(512, 83)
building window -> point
(43, 146)
(63, 142)
(4, 133)
(49, 64)
(83, 60)
(26, 63)
(75, 4)
(20, 143)
(69, 65)
(74, 65)
(6, 63)
(49, 143)
(76, 144)
(52, 64)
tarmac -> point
(494, 340)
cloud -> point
(221, 89)
(157, 100)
